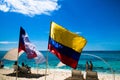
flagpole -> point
(46, 64)
(17, 67)
(37, 68)
(18, 54)
(47, 53)
(17, 57)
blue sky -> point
(96, 20)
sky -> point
(98, 21)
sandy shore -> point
(52, 74)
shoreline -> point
(110, 72)
(52, 74)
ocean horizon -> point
(103, 61)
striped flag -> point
(29, 48)
(67, 46)
(26, 45)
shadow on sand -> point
(32, 75)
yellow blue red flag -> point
(67, 46)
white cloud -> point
(7, 42)
(29, 7)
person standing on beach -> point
(1, 64)
(91, 66)
(87, 66)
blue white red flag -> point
(40, 58)
(29, 48)
(26, 45)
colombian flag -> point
(67, 46)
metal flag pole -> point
(17, 67)
(17, 56)
(18, 53)
(46, 64)
(37, 68)
(47, 53)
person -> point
(16, 67)
(23, 65)
(91, 66)
(1, 64)
(29, 68)
(87, 66)
(26, 67)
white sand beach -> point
(52, 74)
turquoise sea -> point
(103, 61)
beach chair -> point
(76, 75)
(91, 75)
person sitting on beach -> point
(25, 68)
(16, 67)
(91, 66)
(29, 68)
(1, 64)
(23, 65)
